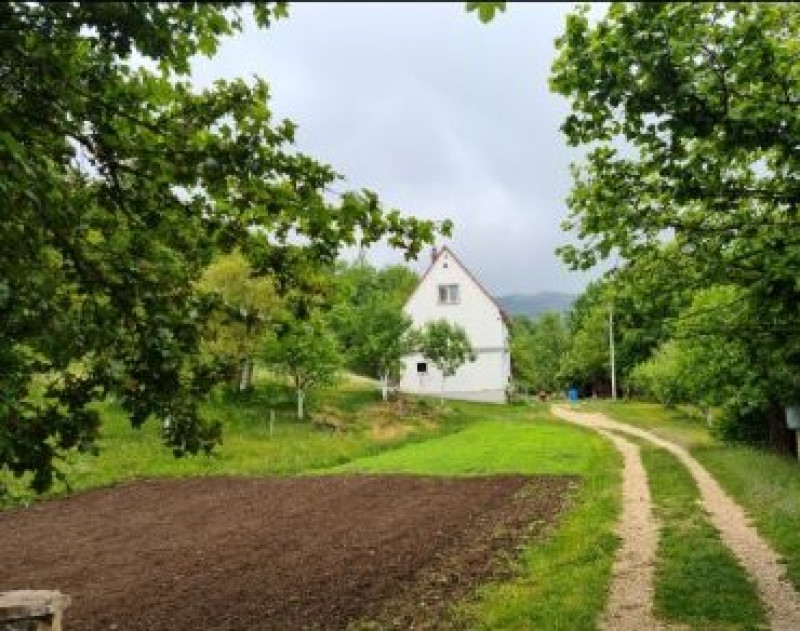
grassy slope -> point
(765, 484)
(496, 442)
(247, 448)
(579, 552)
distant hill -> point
(534, 304)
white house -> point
(448, 291)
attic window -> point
(448, 294)
(422, 367)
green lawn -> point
(580, 551)
(765, 484)
(498, 444)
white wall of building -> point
(485, 379)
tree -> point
(248, 306)
(447, 346)
(387, 337)
(369, 321)
(586, 362)
(486, 10)
(664, 375)
(537, 348)
(690, 116)
(307, 353)
(119, 186)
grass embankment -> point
(562, 581)
(765, 484)
(250, 446)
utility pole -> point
(611, 348)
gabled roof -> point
(435, 258)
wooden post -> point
(32, 610)
(271, 422)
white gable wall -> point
(487, 378)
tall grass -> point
(768, 487)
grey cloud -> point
(441, 115)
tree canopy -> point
(537, 349)
(306, 352)
(690, 117)
(447, 345)
(247, 306)
(119, 185)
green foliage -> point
(715, 358)
(701, 94)
(486, 10)
(120, 184)
(537, 348)
(587, 360)
(307, 353)
(368, 317)
(446, 345)
(663, 375)
(248, 306)
(648, 294)
(690, 118)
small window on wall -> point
(422, 368)
(448, 294)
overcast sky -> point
(442, 116)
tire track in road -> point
(781, 600)
(630, 603)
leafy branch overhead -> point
(486, 10)
(120, 184)
(691, 118)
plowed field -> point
(287, 553)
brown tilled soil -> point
(299, 553)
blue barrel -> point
(573, 394)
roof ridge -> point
(435, 258)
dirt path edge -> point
(781, 600)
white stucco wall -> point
(485, 379)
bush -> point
(742, 424)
